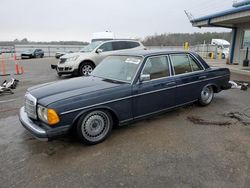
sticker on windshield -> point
(133, 60)
(129, 78)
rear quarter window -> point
(132, 44)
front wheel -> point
(85, 69)
(94, 127)
(206, 96)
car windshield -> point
(91, 46)
(119, 68)
(226, 46)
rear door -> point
(156, 94)
(189, 76)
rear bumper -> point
(226, 86)
(37, 131)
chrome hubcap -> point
(86, 70)
(207, 94)
(95, 126)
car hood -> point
(69, 55)
(55, 91)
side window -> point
(156, 67)
(119, 45)
(106, 47)
(132, 44)
(195, 66)
(181, 63)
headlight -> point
(72, 58)
(47, 115)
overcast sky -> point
(54, 20)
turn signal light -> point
(53, 118)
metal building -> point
(237, 19)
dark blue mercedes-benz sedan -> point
(123, 88)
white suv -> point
(82, 63)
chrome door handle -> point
(170, 83)
(202, 77)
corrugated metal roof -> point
(223, 13)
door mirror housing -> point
(99, 51)
(144, 77)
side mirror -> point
(144, 77)
(99, 51)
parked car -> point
(123, 88)
(59, 54)
(83, 62)
(32, 53)
(7, 50)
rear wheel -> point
(94, 127)
(86, 68)
(206, 96)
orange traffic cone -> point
(17, 68)
(22, 70)
(3, 67)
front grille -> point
(30, 106)
(60, 69)
(62, 60)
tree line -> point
(178, 39)
(26, 41)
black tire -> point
(94, 127)
(85, 69)
(206, 96)
(59, 74)
(223, 56)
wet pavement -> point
(189, 147)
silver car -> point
(82, 63)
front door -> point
(157, 93)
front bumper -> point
(26, 56)
(39, 132)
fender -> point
(84, 112)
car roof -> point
(117, 40)
(146, 53)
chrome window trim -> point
(197, 60)
(138, 69)
(131, 96)
(169, 68)
(188, 54)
